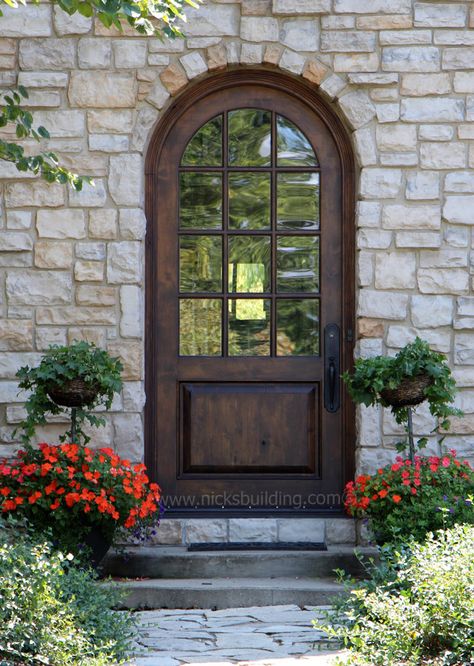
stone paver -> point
(259, 636)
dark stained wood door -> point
(245, 407)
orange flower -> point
(34, 497)
(45, 468)
(396, 498)
(72, 498)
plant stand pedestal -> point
(411, 442)
(73, 424)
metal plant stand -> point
(411, 442)
(73, 424)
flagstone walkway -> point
(260, 636)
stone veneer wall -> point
(401, 74)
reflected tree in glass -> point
(293, 148)
(200, 263)
(298, 201)
(249, 200)
(297, 327)
(249, 137)
(200, 327)
(200, 200)
(249, 264)
(249, 327)
(205, 147)
(298, 263)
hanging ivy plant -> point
(374, 379)
(98, 372)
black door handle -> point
(332, 381)
(332, 391)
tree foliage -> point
(147, 17)
(46, 164)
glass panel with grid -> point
(249, 239)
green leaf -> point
(43, 132)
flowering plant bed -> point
(405, 499)
(70, 489)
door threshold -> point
(257, 545)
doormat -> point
(258, 545)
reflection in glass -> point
(250, 137)
(200, 200)
(249, 264)
(205, 147)
(298, 201)
(297, 327)
(200, 328)
(200, 263)
(249, 327)
(249, 200)
(293, 147)
(298, 263)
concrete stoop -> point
(173, 577)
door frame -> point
(316, 104)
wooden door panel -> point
(247, 427)
(224, 413)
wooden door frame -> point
(316, 104)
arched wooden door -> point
(249, 300)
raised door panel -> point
(249, 428)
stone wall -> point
(401, 74)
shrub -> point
(416, 608)
(404, 500)
(52, 612)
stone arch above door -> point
(229, 83)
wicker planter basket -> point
(73, 393)
(411, 391)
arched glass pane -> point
(298, 201)
(293, 148)
(250, 138)
(205, 147)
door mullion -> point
(225, 250)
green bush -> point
(52, 612)
(417, 607)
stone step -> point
(175, 562)
(220, 593)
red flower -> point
(34, 497)
(396, 498)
